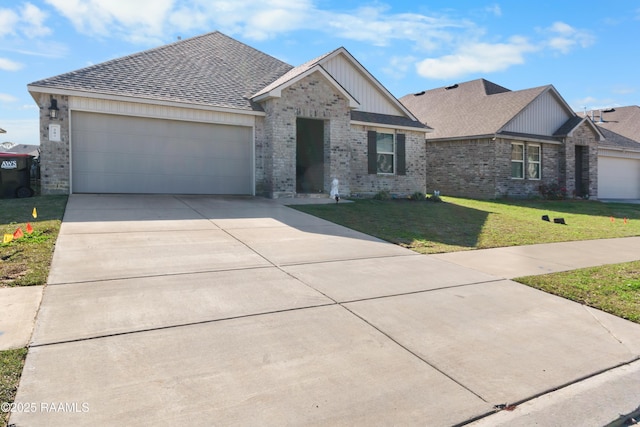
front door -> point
(582, 171)
(309, 156)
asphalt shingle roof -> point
(474, 108)
(362, 116)
(616, 140)
(212, 70)
(624, 121)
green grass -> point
(11, 363)
(463, 224)
(611, 288)
(26, 261)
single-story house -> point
(491, 142)
(211, 115)
(619, 152)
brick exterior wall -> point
(368, 184)
(54, 156)
(314, 98)
(260, 153)
(586, 137)
(510, 187)
(481, 168)
(464, 168)
(345, 146)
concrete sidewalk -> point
(212, 310)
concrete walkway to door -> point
(192, 310)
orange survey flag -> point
(29, 228)
(34, 213)
(18, 233)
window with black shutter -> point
(386, 153)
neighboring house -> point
(619, 152)
(32, 150)
(7, 145)
(491, 142)
(210, 115)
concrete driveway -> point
(187, 310)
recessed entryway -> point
(582, 170)
(309, 155)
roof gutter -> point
(387, 126)
(133, 99)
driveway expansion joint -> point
(181, 325)
(414, 354)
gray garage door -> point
(122, 154)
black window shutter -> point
(373, 152)
(401, 165)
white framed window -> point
(386, 153)
(517, 161)
(533, 162)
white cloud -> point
(624, 90)
(564, 37)
(398, 66)
(6, 98)
(494, 9)
(254, 20)
(476, 57)
(153, 21)
(374, 25)
(8, 22)
(589, 103)
(33, 21)
(9, 65)
(27, 20)
(137, 21)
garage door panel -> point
(618, 178)
(120, 154)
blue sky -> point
(589, 51)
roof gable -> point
(274, 90)
(210, 70)
(544, 115)
(362, 89)
(474, 108)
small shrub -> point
(553, 191)
(382, 195)
(418, 196)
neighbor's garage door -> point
(122, 154)
(618, 178)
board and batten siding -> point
(371, 99)
(543, 116)
(155, 111)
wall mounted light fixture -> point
(53, 109)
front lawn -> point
(11, 363)
(25, 261)
(612, 288)
(462, 224)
